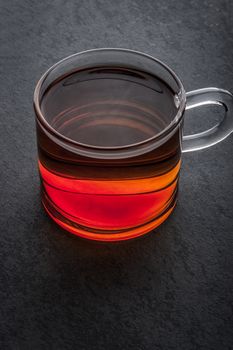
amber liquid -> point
(108, 199)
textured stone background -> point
(171, 289)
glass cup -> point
(109, 131)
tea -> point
(108, 108)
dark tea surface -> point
(109, 107)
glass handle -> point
(203, 97)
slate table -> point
(171, 289)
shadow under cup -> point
(109, 125)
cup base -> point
(103, 235)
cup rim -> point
(65, 140)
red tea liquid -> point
(108, 107)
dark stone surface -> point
(171, 289)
